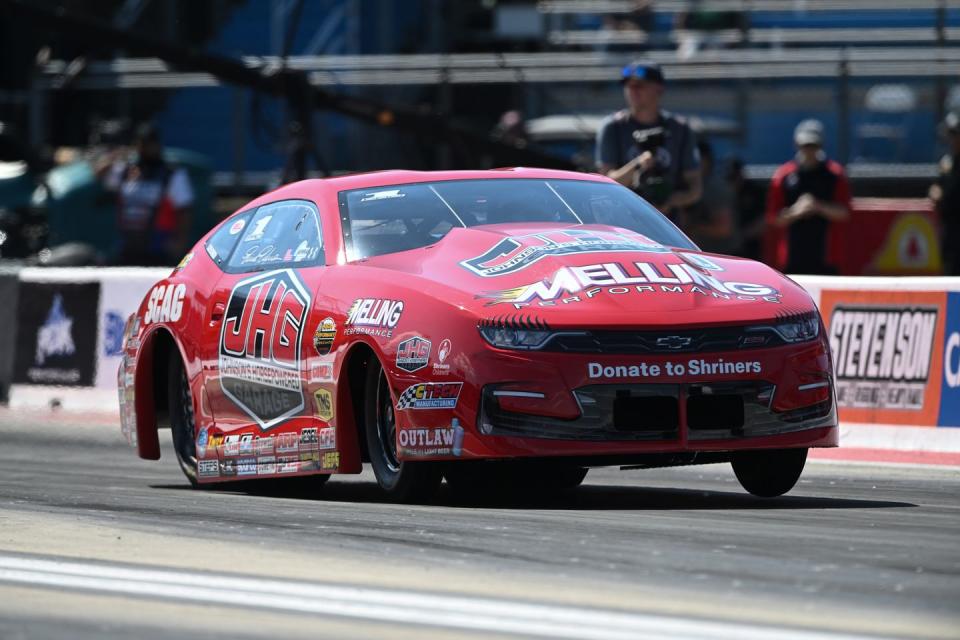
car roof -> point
(321, 188)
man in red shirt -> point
(153, 200)
(807, 203)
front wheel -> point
(402, 481)
(769, 473)
(182, 424)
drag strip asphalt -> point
(95, 542)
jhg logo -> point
(260, 346)
(413, 354)
(882, 355)
(514, 253)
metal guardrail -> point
(672, 6)
(571, 67)
(761, 36)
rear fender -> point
(150, 389)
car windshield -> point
(388, 219)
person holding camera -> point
(648, 149)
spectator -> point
(153, 202)
(809, 196)
(711, 222)
(700, 27)
(748, 207)
(637, 21)
(945, 193)
(647, 149)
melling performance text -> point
(576, 284)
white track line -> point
(382, 605)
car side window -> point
(221, 243)
(281, 234)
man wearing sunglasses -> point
(646, 148)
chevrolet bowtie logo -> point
(674, 342)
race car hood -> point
(596, 275)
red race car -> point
(472, 324)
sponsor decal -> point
(439, 441)
(578, 284)
(309, 460)
(950, 400)
(328, 438)
(309, 439)
(288, 442)
(56, 341)
(208, 468)
(441, 368)
(202, 443)
(184, 261)
(231, 445)
(320, 372)
(324, 336)
(237, 226)
(887, 354)
(246, 444)
(260, 346)
(519, 252)
(373, 316)
(430, 395)
(265, 446)
(330, 461)
(113, 326)
(247, 467)
(701, 261)
(266, 466)
(324, 400)
(259, 227)
(413, 354)
(165, 303)
(228, 467)
(288, 464)
(692, 367)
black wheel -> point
(182, 423)
(402, 481)
(769, 473)
(509, 478)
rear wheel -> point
(402, 481)
(769, 473)
(182, 424)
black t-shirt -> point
(616, 146)
(807, 238)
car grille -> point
(664, 341)
(651, 412)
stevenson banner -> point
(888, 354)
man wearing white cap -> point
(808, 197)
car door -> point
(257, 319)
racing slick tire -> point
(182, 425)
(769, 473)
(402, 481)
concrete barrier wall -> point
(896, 351)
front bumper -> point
(677, 413)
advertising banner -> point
(120, 295)
(950, 394)
(56, 333)
(887, 351)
